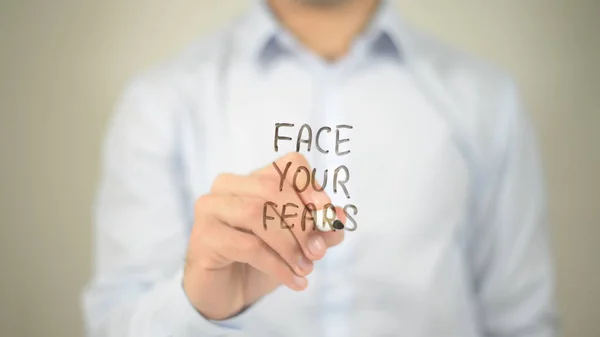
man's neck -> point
(328, 30)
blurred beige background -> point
(63, 63)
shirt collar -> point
(263, 38)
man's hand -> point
(232, 261)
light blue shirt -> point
(451, 232)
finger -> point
(252, 215)
(238, 246)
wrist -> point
(212, 295)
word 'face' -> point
(305, 135)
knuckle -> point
(250, 245)
(296, 157)
(203, 264)
(204, 261)
(268, 185)
(220, 180)
(298, 160)
(204, 242)
(202, 203)
(205, 236)
(249, 208)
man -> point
(430, 161)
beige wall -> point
(63, 63)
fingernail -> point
(305, 265)
(300, 282)
(316, 245)
(320, 199)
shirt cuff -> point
(187, 321)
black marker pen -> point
(323, 225)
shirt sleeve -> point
(142, 219)
(511, 253)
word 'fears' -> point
(329, 216)
(302, 178)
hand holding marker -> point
(232, 261)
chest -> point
(406, 183)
